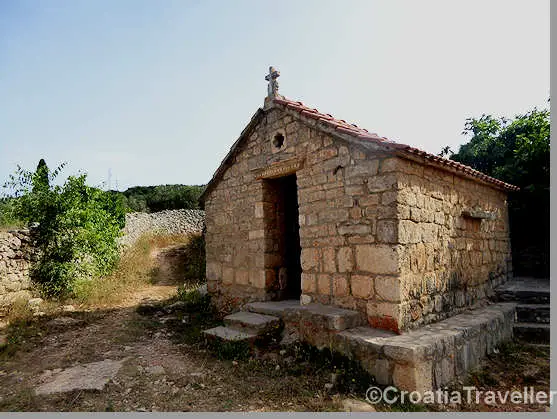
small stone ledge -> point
(334, 318)
(251, 322)
(432, 356)
(229, 335)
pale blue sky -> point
(159, 90)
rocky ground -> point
(122, 358)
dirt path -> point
(166, 367)
(159, 372)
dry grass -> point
(137, 268)
(18, 310)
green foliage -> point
(8, 219)
(77, 226)
(162, 197)
(517, 151)
(195, 302)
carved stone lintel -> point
(279, 169)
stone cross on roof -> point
(272, 88)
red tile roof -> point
(362, 134)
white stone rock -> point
(354, 405)
(305, 299)
(93, 376)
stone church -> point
(311, 209)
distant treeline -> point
(161, 197)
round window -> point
(278, 140)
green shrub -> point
(77, 227)
(7, 217)
(195, 302)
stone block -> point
(228, 275)
(256, 234)
(413, 377)
(344, 259)
(384, 315)
(381, 183)
(257, 278)
(310, 259)
(340, 286)
(213, 270)
(309, 284)
(361, 286)
(324, 284)
(409, 232)
(389, 197)
(354, 229)
(379, 259)
(387, 288)
(387, 231)
(328, 260)
(382, 372)
(242, 277)
(259, 210)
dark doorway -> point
(283, 237)
(292, 238)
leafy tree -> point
(76, 226)
(41, 181)
(517, 151)
(162, 197)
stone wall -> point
(455, 238)
(379, 234)
(16, 250)
(338, 219)
(16, 253)
(167, 222)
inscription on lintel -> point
(280, 169)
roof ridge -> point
(363, 134)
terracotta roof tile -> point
(364, 135)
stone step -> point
(331, 318)
(525, 291)
(273, 308)
(323, 317)
(251, 322)
(229, 334)
(532, 332)
(533, 313)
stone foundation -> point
(431, 356)
(423, 359)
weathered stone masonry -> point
(180, 221)
(16, 254)
(17, 251)
(393, 236)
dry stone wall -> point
(166, 222)
(16, 253)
